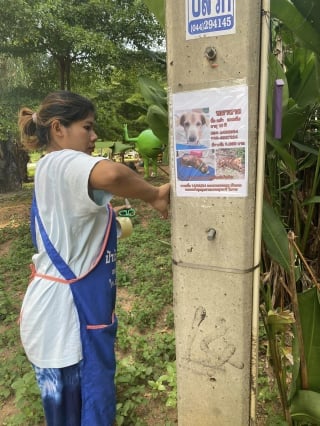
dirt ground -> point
(13, 209)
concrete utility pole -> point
(213, 54)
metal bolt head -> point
(210, 53)
(211, 233)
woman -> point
(68, 325)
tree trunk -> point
(64, 66)
(68, 73)
(62, 71)
(13, 166)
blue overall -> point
(94, 297)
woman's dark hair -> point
(67, 107)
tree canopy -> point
(87, 34)
(98, 48)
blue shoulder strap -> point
(33, 222)
(55, 257)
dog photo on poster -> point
(211, 142)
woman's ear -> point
(56, 128)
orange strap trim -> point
(34, 273)
(96, 327)
(100, 326)
(56, 279)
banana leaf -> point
(293, 119)
(297, 22)
(310, 9)
(275, 237)
(283, 153)
(305, 403)
(157, 115)
(305, 407)
(157, 119)
(152, 92)
(304, 89)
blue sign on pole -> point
(210, 18)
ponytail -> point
(28, 129)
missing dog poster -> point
(211, 142)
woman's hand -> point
(161, 203)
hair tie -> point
(34, 117)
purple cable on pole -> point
(277, 113)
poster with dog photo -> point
(211, 142)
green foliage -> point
(15, 374)
(28, 401)
(158, 8)
(292, 178)
(120, 102)
(156, 99)
(93, 48)
(305, 408)
(140, 372)
(131, 379)
(84, 36)
(147, 367)
(151, 276)
(310, 319)
(275, 237)
(268, 389)
(292, 166)
(165, 382)
(301, 17)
